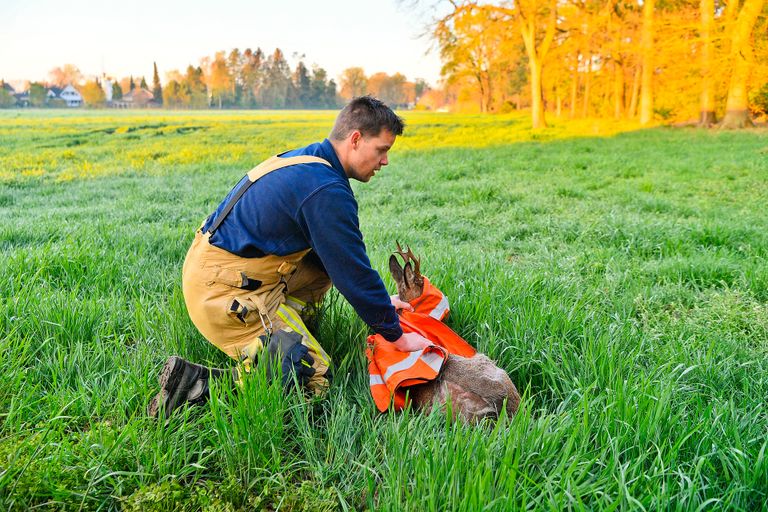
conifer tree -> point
(157, 90)
(302, 84)
(132, 85)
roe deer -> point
(475, 386)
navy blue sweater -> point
(309, 206)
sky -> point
(124, 38)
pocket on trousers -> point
(248, 309)
(234, 278)
(238, 311)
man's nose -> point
(384, 161)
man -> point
(261, 263)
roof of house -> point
(5, 85)
(138, 93)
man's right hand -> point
(410, 342)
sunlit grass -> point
(619, 279)
(65, 145)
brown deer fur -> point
(475, 387)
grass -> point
(618, 276)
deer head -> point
(410, 283)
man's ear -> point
(355, 138)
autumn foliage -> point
(652, 60)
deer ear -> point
(410, 277)
(396, 271)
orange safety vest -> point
(392, 371)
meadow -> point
(618, 275)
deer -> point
(476, 388)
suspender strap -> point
(267, 166)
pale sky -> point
(124, 38)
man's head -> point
(364, 132)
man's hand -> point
(400, 304)
(410, 342)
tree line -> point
(249, 79)
(640, 59)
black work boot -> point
(183, 382)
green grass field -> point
(619, 277)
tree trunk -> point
(537, 102)
(618, 89)
(587, 83)
(574, 92)
(536, 52)
(618, 68)
(635, 93)
(482, 92)
(646, 91)
(489, 93)
(707, 109)
(736, 108)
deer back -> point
(476, 388)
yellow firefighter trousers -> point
(224, 306)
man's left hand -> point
(400, 304)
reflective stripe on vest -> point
(392, 371)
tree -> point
(235, 67)
(6, 98)
(537, 26)
(331, 96)
(472, 43)
(276, 87)
(320, 97)
(707, 109)
(353, 83)
(251, 74)
(420, 86)
(304, 87)
(464, 34)
(736, 107)
(194, 86)
(176, 95)
(143, 84)
(93, 95)
(117, 91)
(157, 90)
(220, 81)
(38, 95)
(65, 75)
(389, 89)
(646, 85)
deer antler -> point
(408, 255)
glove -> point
(293, 357)
(297, 362)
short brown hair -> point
(369, 116)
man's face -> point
(368, 154)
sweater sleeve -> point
(330, 222)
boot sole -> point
(168, 379)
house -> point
(53, 93)
(137, 98)
(22, 98)
(7, 95)
(71, 96)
